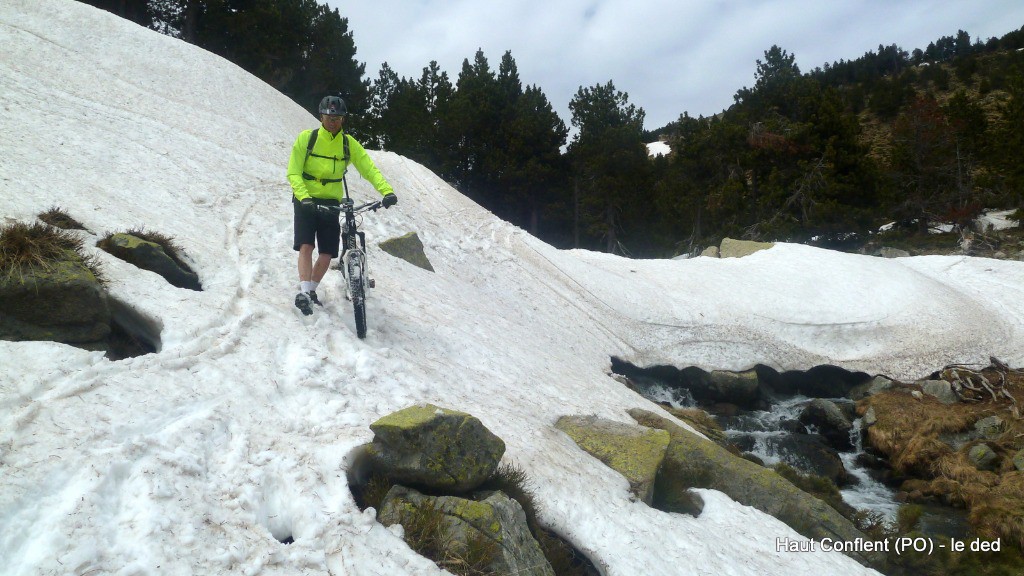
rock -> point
(408, 248)
(1018, 460)
(939, 389)
(869, 419)
(63, 302)
(495, 519)
(739, 388)
(829, 421)
(876, 385)
(808, 453)
(723, 387)
(887, 252)
(633, 451)
(990, 427)
(710, 252)
(151, 256)
(983, 457)
(739, 248)
(753, 458)
(440, 449)
(693, 462)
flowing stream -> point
(761, 431)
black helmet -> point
(333, 105)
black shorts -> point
(317, 227)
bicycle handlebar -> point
(372, 206)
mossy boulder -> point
(694, 462)
(151, 256)
(635, 452)
(983, 457)
(432, 447)
(731, 248)
(408, 248)
(491, 530)
(60, 302)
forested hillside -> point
(930, 134)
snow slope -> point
(196, 459)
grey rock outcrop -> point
(731, 248)
(939, 389)
(494, 519)
(876, 385)
(408, 248)
(829, 421)
(889, 252)
(989, 427)
(425, 445)
(808, 453)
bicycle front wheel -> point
(359, 307)
(357, 287)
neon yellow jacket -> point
(330, 168)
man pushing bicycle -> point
(316, 171)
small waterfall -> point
(773, 435)
(867, 493)
(761, 433)
(655, 391)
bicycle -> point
(353, 256)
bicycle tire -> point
(359, 307)
(357, 288)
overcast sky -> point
(670, 56)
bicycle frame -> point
(353, 257)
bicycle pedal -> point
(371, 283)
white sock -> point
(307, 286)
(313, 285)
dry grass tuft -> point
(956, 466)
(27, 246)
(57, 217)
(427, 534)
(999, 513)
(918, 455)
(910, 432)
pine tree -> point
(609, 161)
